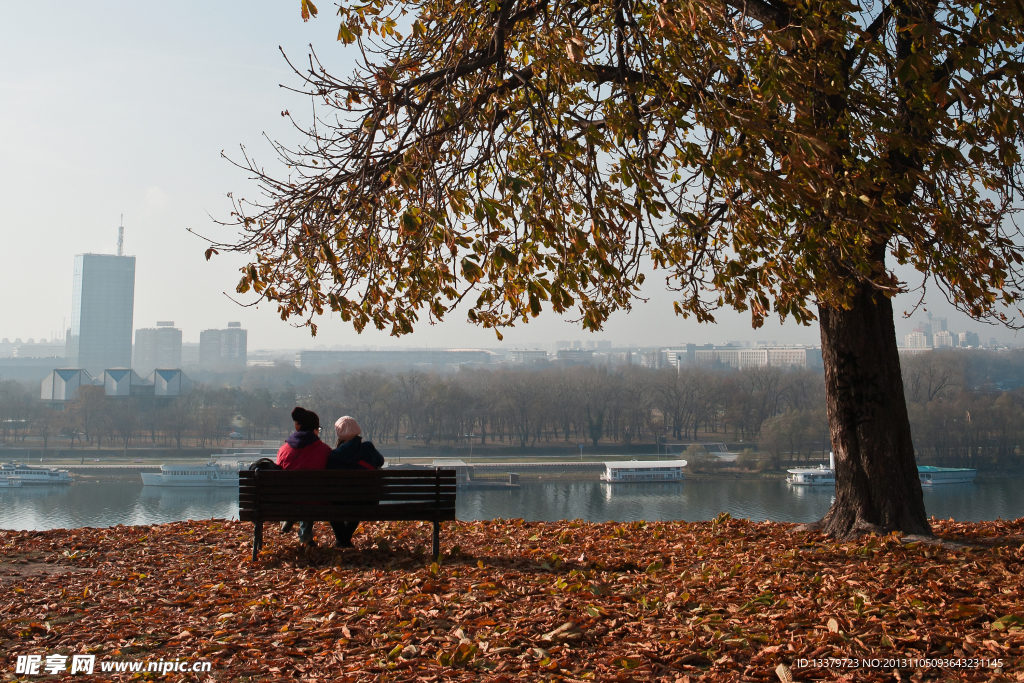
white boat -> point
(34, 475)
(812, 476)
(10, 482)
(633, 471)
(206, 474)
(930, 476)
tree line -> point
(966, 409)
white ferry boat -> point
(33, 475)
(10, 482)
(930, 476)
(631, 471)
(206, 474)
(812, 476)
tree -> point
(179, 415)
(15, 408)
(89, 410)
(125, 420)
(767, 154)
(47, 422)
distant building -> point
(168, 383)
(190, 354)
(527, 355)
(969, 339)
(743, 357)
(125, 383)
(29, 369)
(327, 360)
(61, 385)
(157, 347)
(943, 339)
(223, 349)
(677, 357)
(40, 349)
(575, 355)
(102, 304)
(916, 340)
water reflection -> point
(103, 504)
(100, 504)
(694, 500)
(691, 500)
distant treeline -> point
(966, 409)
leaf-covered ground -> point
(723, 600)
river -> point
(107, 503)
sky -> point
(112, 108)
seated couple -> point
(304, 450)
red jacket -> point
(301, 454)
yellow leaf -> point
(308, 9)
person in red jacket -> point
(303, 450)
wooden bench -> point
(414, 495)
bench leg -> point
(437, 540)
(257, 540)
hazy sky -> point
(112, 107)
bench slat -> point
(368, 513)
(310, 480)
(336, 485)
(444, 515)
(350, 474)
(316, 489)
(361, 498)
(299, 491)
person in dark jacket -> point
(351, 453)
(303, 450)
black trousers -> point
(343, 531)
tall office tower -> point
(223, 349)
(101, 313)
(157, 347)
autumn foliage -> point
(720, 600)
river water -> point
(102, 504)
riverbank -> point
(721, 600)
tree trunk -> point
(877, 484)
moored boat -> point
(930, 476)
(634, 471)
(812, 476)
(33, 475)
(206, 474)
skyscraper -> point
(223, 349)
(157, 347)
(102, 304)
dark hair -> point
(306, 419)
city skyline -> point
(151, 153)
